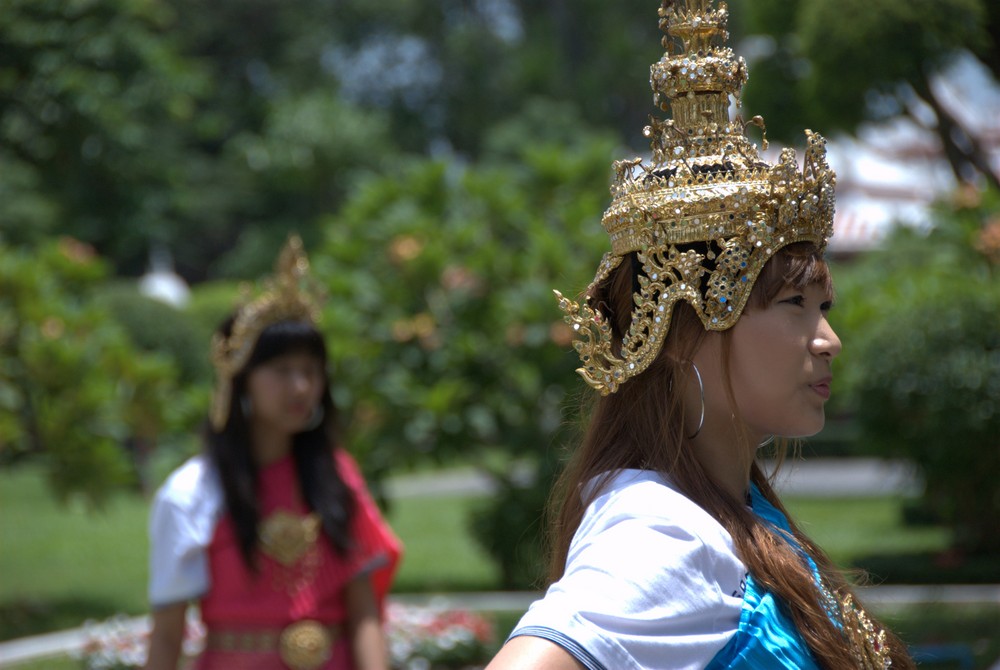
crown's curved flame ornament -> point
(707, 212)
(289, 295)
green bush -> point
(211, 302)
(444, 332)
(155, 326)
(74, 391)
(510, 526)
(924, 314)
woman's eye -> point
(795, 300)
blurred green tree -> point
(838, 63)
(448, 71)
(213, 129)
(446, 336)
(207, 129)
(93, 105)
(441, 315)
(923, 369)
(74, 392)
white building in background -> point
(892, 172)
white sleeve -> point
(182, 522)
(651, 581)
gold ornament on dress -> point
(305, 645)
(286, 537)
(707, 212)
(290, 295)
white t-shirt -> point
(651, 581)
(185, 512)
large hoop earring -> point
(315, 419)
(701, 391)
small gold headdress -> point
(708, 213)
(288, 296)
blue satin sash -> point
(766, 636)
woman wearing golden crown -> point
(272, 530)
(705, 333)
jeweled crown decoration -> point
(706, 213)
(289, 295)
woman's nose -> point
(301, 381)
(825, 342)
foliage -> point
(445, 73)
(924, 315)
(135, 123)
(94, 100)
(444, 330)
(441, 317)
(214, 129)
(838, 63)
(155, 326)
(511, 524)
(74, 390)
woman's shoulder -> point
(639, 519)
(191, 484)
(651, 499)
(649, 575)
(348, 468)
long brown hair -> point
(642, 426)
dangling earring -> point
(315, 419)
(701, 391)
(246, 406)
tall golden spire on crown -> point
(696, 80)
(706, 213)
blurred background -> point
(447, 163)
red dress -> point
(308, 587)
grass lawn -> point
(60, 566)
(440, 554)
(847, 528)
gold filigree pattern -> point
(868, 643)
(305, 645)
(286, 537)
(706, 186)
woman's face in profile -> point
(780, 365)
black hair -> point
(323, 489)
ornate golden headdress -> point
(707, 213)
(289, 295)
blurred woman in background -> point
(271, 530)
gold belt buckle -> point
(305, 645)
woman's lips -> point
(822, 387)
